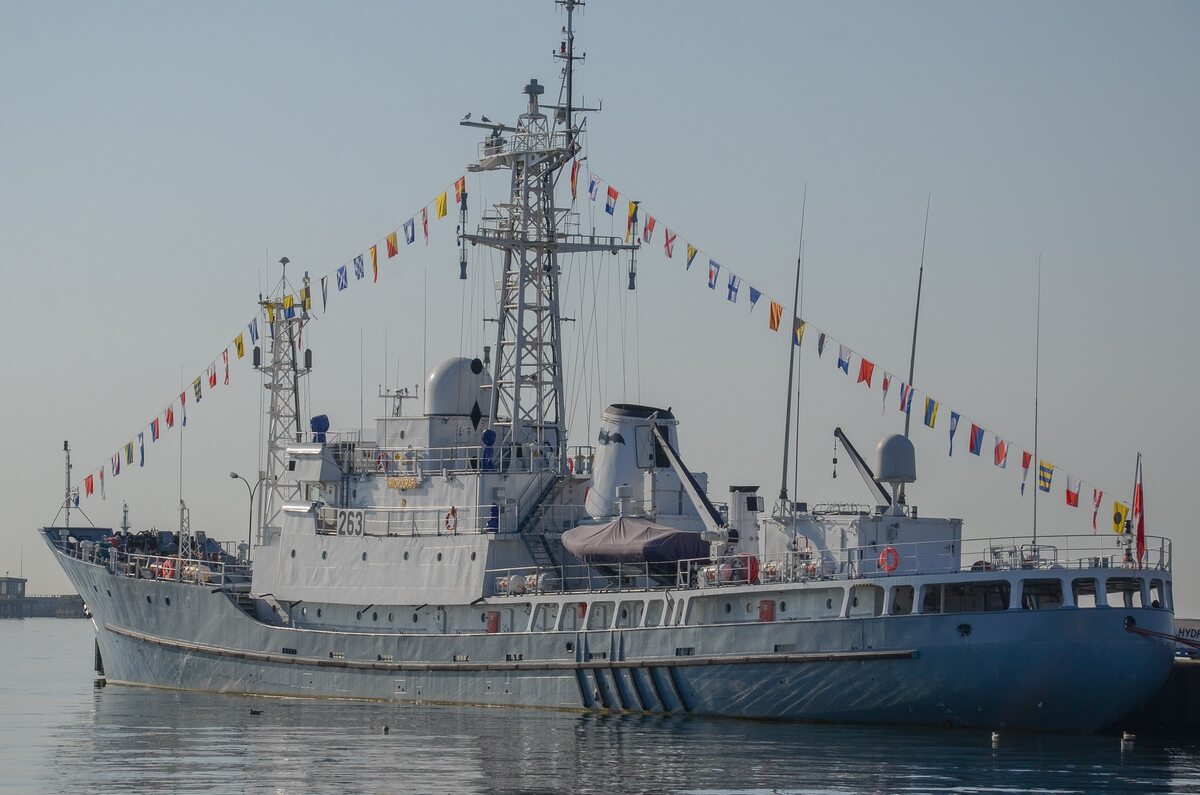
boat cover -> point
(631, 540)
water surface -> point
(58, 734)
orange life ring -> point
(889, 559)
(452, 520)
(166, 569)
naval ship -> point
(470, 554)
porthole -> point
(375, 616)
(854, 602)
(293, 553)
(318, 612)
(829, 604)
(324, 554)
(149, 600)
(406, 554)
(358, 615)
(570, 646)
(728, 607)
(783, 607)
(168, 601)
(439, 557)
(389, 617)
(304, 611)
(749, 608)
(472, 556)
(414, 618)
(483, 618)
(364, 556)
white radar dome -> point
(456, 388)
(895, 460)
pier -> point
(14, 603)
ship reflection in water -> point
(142, 740)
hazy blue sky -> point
(156, 157)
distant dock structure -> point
(14, 603)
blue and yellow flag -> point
(691, 255)
(931, 407)
(1045, 475)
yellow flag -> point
(305, 298)
(441, 205)
(270, 312)
(239, 342)
(289, 301)
(1120, 514)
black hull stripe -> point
(523, 665)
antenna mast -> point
(1037, 374)
(912, 356)
(285, 314)
(67, 491)
(526, 408)
(787, 419)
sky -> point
(158, 159)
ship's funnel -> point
(625, 450)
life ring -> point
(570, 465)
(889, 559)
(452, 520)
(166, 569)
(381, 462)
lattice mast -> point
(527, 403)
(285, 315)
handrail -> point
(980, 558)
(157, 566)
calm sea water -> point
(59, 734)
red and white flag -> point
(1139, 512)
(1026, 459)
(669, 242)
(1001, 457)
(648, 229)
(225, 359)
(887, 384)
(425, 223)
(1073, 487)
(1097, 496)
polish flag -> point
(1073, 487)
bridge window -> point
(1041, 594)
(629, 614)
(600, 615)
(1084, 592)
(902, 600)
(1124, 591)
(654, 613)
(1158, 595)
(865, 600)
(973, 597)
(544, 617)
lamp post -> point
(250, 519)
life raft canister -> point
(889, 559)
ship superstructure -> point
(469, 553)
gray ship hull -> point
(1047, 670)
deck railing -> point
(1052, 555)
